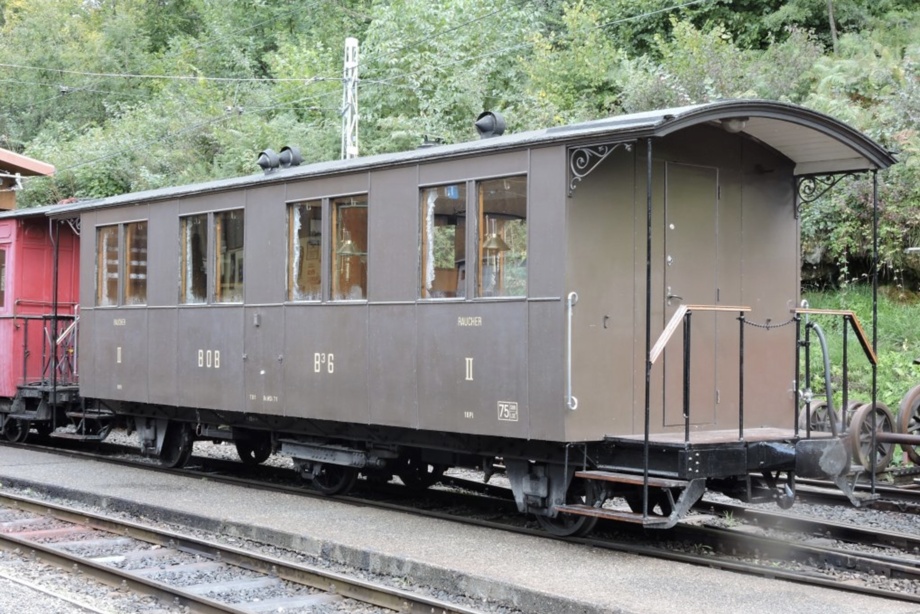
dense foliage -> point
(124, 95)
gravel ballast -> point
(495, 570)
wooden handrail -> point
(682, 310)
(857, 327)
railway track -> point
(203, 576)
(23, 590)
(729, 548)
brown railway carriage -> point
(499, 301)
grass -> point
(898, 342)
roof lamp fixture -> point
(490, 124)
(270, 161)
(734, 125)
(290, 156)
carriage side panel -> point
(393, 231)
(392, 384)
(547, 195)
(263, 270)
(325, 362)
(770, 286)
(601, 241)
(209, 357)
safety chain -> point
(768, 326)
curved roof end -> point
(818, 144)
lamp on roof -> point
(734, 125)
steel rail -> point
(805, 524)
(709, 560)
(321, 579)
(85, 607)
(115, 577)
(740, 543)
(767, 571)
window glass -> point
(502, 237)
(305, 253)
(443, 258)
(107, 265)
(349, 248)
(193, 267)
(2, 278)
(135, 263)
(228, 248)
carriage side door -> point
(691, 278)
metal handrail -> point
(683, 314)
(849, 316)
(682, 310)
(570, 400)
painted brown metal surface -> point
(724, 233)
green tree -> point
(429, 69)
(572, 71)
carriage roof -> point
(816, 143)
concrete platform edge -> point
(487, 590)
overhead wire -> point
(291, 105)
(391, 80)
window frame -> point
(122, 265)
(235, 261)
(290, 275)
(483, 227)
(460, 284)
(212, 262)
(102, 263)
(128, 263)
(184, 282)
(346, 243)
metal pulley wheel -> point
(909, 421)
(861, 436)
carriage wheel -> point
(820, 417)
(334, 479)
(582, 492)
(177, 445)
(16, 430)
(909, 421)
(861, 435)
(254, 450)
(419, 475)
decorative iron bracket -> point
(74, 223)
(810, 188)
(583, 160)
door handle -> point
(673, 296)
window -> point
(349, 248)
(107, 260)
(193, 268)
(502, 238)
(443, 257)
(2, 278)
(305, 251)
(228, 247)
(135, 266)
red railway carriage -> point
(37, 345)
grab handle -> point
(570, 400)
